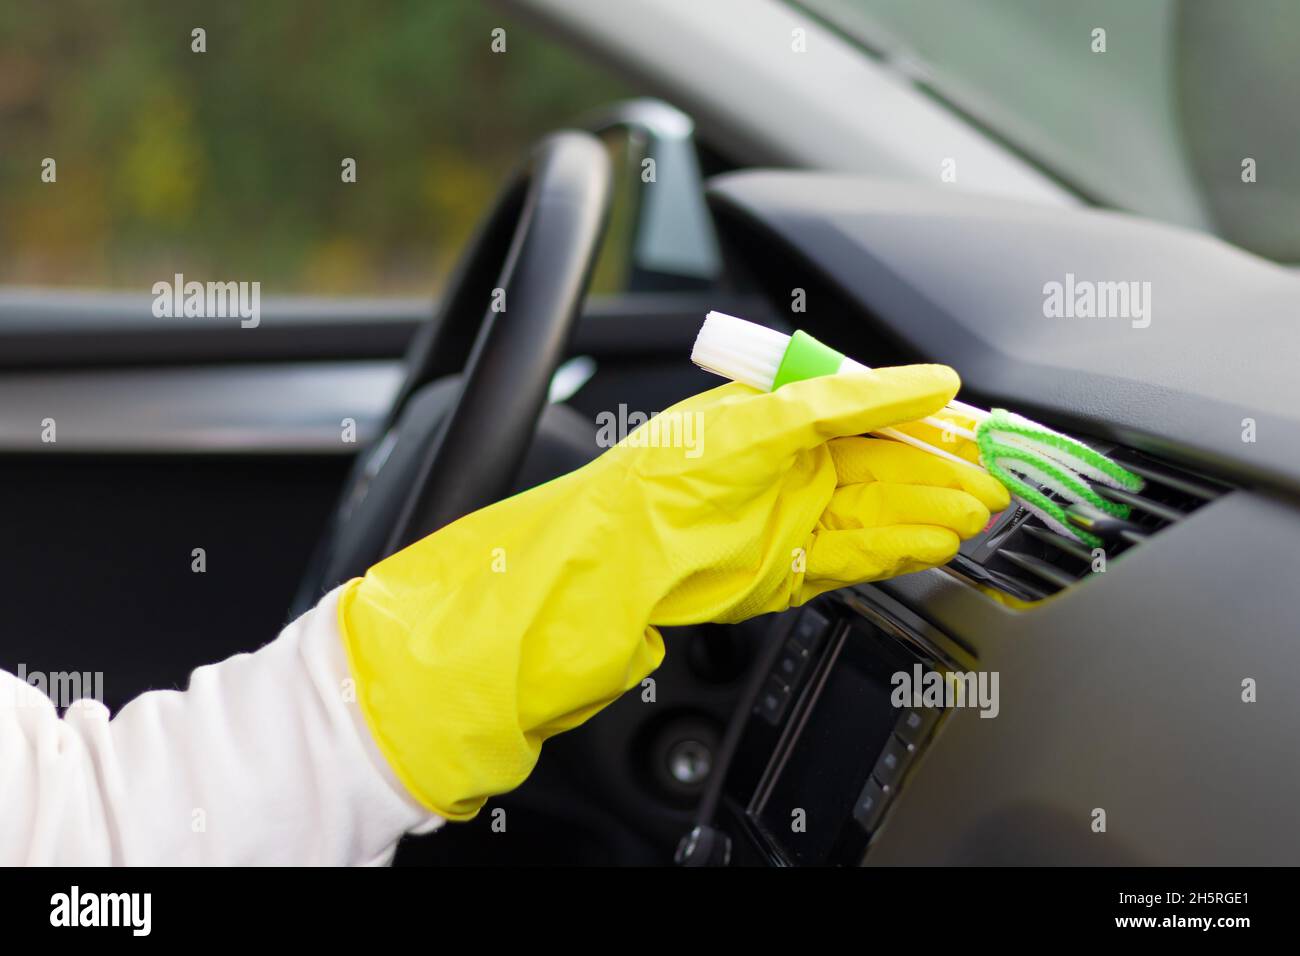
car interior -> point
(295, 457)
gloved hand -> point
(949, 441)
(476, 644)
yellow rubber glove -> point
(948, 441)
(476, 644)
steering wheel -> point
(453, 443)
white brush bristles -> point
(739, 350)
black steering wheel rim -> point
(504, 325)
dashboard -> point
(1140, 707)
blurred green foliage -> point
(226, 164)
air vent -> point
(1021, 556)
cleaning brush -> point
(1036, 464)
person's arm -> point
(473, 646)
(265, 759)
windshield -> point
(1183, 110)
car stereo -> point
(827, 742)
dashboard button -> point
(809, 630)
(915, 725)
(871, 805)
(772, 700)
(790, 665)
(890, 763)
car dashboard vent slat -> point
(1041, 569)
(1177, 482)
(1020, 556)
(1163, 512)
(1058, 541)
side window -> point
(317, 148)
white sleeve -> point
(265, 759)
